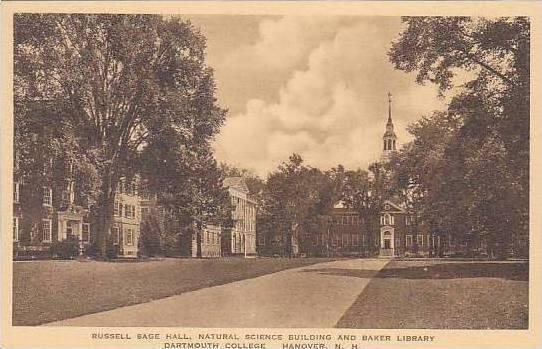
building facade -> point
(125, 228)
(210, 242)
(345, 233)
(48, 210)
(241, 238)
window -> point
(46, 225)
(47, 196)
(65, 198)
(419, 240)
(129, 211)
(69, 167)
(85, 233)
(144, 212)
(129, 237)
(69, 229)
(355, 240)
(407, 220)
(115, 236)
(15, 228)
(117, 209)
(15, 191)
(388, 220)
(408, 240)
(120, 187)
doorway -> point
(387, 244)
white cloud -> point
(332, 110)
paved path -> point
(301, 297)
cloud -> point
(331, 106)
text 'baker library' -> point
(58, 213)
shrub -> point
(65, 249)
(112, 251)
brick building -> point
(48, 209)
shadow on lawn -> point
(508, 271)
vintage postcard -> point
(271, 175)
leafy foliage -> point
(119, 83)
(467, 169)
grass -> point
(442, 295)
(55, 290)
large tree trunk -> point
(105, 210)
(198, 241)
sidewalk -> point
(301, 297)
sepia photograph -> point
(270, 171)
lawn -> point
(48, 291)
(443, 295)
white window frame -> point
(16, 192)
(129, 233)
(408, 240)
(117, 240)
(47, 199)
(418, 238)
(15, 228)
(49, 237)
(387, 219)
(88, 230)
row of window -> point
(127, 188)
(343, 240)
(348, 220)
(128, 236)
(47, 229)
(47, 194)
(208, 238)
(129, 210)
(423, 240)
(387, 219)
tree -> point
(296, 200)
(454, 155)
(118, 81)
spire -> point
(389, 109)
(389, 137)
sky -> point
(316, 86)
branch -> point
(471, 57)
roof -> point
(394, 205)
(236, 182)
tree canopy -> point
(120, 83)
